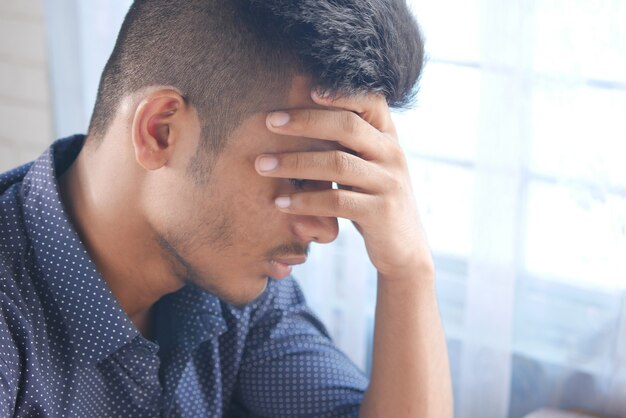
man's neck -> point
(100, 202)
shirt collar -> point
(187, 318)
(97, 325)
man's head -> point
(232, 58)
(189, 84)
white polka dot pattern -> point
(67, 349)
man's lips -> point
(281, 267)
(290, 261)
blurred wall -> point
(25, 111)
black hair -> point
(232, 58)
(347, 46)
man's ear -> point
(152, 135)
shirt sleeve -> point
(290, 367)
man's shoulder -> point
(16, 287)
(12, 235)
(13, 177)
(21, 320)
(16, 295)
(13, 324)
(13, 240)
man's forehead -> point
(254, 137)
(311, 144)
(299, 94)
(299, 97)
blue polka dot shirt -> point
(67, 349)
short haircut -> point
(233, 58)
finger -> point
(372, 107)
(333, 166)
(344, 127)
(329, 203)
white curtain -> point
(517, 150)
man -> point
(145, 267)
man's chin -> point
(240, 298)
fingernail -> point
(267, 163)
(283, 202)
(278, 119)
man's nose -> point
(316, 228)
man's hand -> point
(410, 370)
(375, 189)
